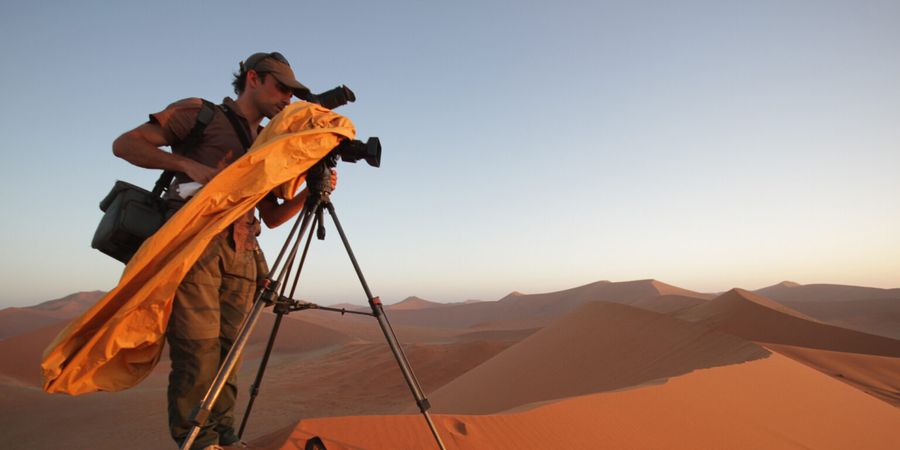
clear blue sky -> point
(529, 146)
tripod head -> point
(318, 178)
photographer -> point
(217, 292)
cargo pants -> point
(210, 304)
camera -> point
(338, 96)
(318, 178)
(353, 151)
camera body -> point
(332, 99)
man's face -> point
(271, 96)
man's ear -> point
(253, 79)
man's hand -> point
(198, 172)
(274, 214)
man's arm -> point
(140, 147)
(274, 214)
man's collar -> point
(232, 105)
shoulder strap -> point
(238, 126)
(204, 117)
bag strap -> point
(238, 126)
(204, 117)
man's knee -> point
(194, 363)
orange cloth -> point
(116, 343)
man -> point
(216, 294)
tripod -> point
(272, 293)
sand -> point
(638, 364)
(774, 403)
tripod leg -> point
(254, 388)
(264, 298)
(388, 331)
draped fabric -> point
(116, 343)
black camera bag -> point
(131, 213)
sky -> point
(528, 146)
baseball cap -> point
(276, 64)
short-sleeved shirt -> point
(218, 147)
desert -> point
(634, 364)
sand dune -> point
(757, 318)
(870, 310)
(359, 378)
(354, 378)
(366, 327)
(668, 303)
(133, 419)
(413, 303)
(774, 403)
(15, 321)
(296, 336)
(539, 309)
(555, 370)
(21, 355)
(792, 292)
(875, 316)
(512, 335)
(70, 306)
(598, 347)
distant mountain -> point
(788, 291)
(414, 303)
(512, 294)
(70, 306)
(16, 321)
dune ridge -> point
(757, 318)
(879, 316)
(598, 347)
